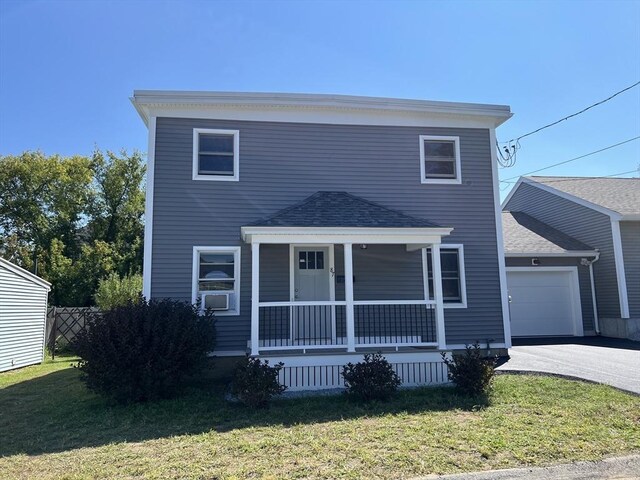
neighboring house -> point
(579, 236)
(321, 227)
(23, 316)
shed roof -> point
(341, 209)
(24, 273)
(525, 234)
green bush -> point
(371, 379)
(471, 372)
(114, 291)
(256, 382)
(145, 350)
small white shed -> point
(23, 316)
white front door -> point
(312, 283)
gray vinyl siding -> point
(586, 300)
(283, 163)
(23, 309)
(630, 234)
(582, 223)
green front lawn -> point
(51, 427)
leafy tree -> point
(114, 291)
(73, 219)
(41, 198)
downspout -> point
(593, 289)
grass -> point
(52, 427)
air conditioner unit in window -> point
(216, 301)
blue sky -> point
(68, 68)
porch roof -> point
(339, 217)
(341, 209)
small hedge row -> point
(148, 350)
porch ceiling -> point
(339, 217)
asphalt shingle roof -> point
(621, 195)
(341, 209)
(525, 234)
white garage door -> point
(544, 302)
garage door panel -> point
(542, 303)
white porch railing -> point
(323, 325)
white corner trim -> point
(567, 196)
(446, 181)
(236, 155)
(620, 273)
(506, 321)
(21, 272)
(576, 304)
(236, 251)
(147, 261)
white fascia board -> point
(333, 235)
(630, 217)
(315, 108)
(567, 196)
(568, 253)
(21, 272)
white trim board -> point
(504, 295)
(329, 235)
(147, 262)
(576, 307)
(619, 264)
(316, 108)
(568, 253)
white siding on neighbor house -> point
(23, 311)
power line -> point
(509, 150)
(574, 114)
(559, 180)
(574, 159)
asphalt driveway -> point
(609, 361)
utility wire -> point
(508, 151)
(574, 114)
(574, 159)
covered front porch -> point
(346, 283)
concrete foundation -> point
(620, 328)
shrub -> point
(114, 291)
(371, 379)
(256, 382)
(471, 373)
(145, 350)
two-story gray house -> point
(573, 256)
(320, 227)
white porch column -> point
(437, 295)
(348, 296)
(255, 298)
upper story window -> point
(215, 154)
(440, 159)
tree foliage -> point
(73, 220)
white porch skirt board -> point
(325, 371)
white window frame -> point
(423, 174)
(196, 155)
(236, 275)
(461, 265)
